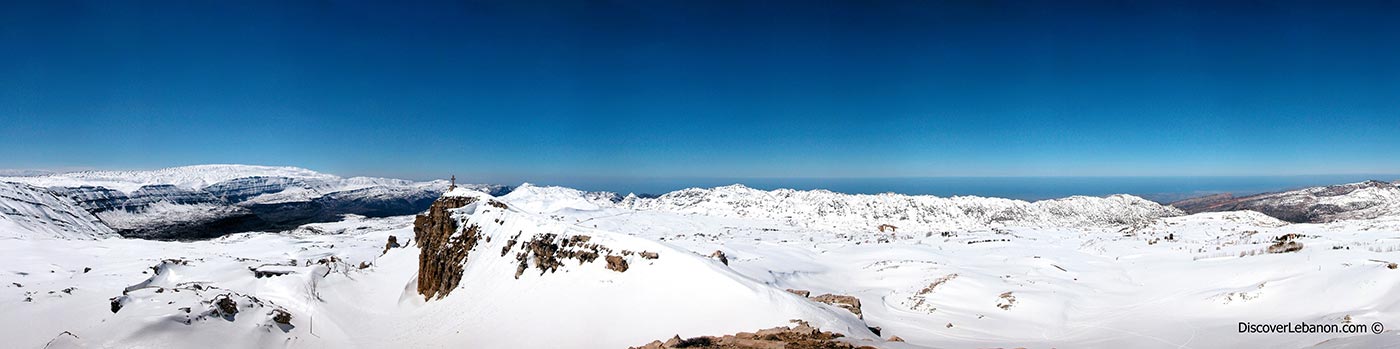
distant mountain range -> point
(207, 201)
(196, 202)
(1363, 200)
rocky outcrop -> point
(801, 336)
(849, 303)
(719, 255)
(617, 264)
(281, 316)
(549, 251)
(441, 248)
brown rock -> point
(849, 303)
(443, 248)
(648, 255)
(617, 263)
(803, 293)
(393, 243)
(896, 339)
(720, 256)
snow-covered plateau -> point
(725, 267)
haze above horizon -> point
(655, 91)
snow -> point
(31, 212)
(1113, 271)
(188, 177)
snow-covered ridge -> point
(827, 209)
(32, 212)
(657, 291)
(187, 177)
(1361, 200)
(212, 200)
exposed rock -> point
(86, 270)
(1285, 247)
(117, 303)
(802, 336)
(896, 339)
(617, 263)
(281, 316)
(803, 293)
(392, 243)
(673, 342)
(720, 256)
(849, 303)
(442, 247)
(548, 252)
(1285, 244)
(648, 255)
(1006, 300)
(227, 305)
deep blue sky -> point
(538, 90)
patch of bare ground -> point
(800, 336)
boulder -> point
(617, 263)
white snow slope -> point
(1060, 273)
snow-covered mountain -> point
(28, 212)
(551, 267)
(830, 210)
(1362, 200)
(212, 200)
(826, 209)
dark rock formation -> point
(281, 316)
(227, 306)
(720, 256)
(442, 249)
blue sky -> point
(513, 91)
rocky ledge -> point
(441, 250)
(800, 336)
